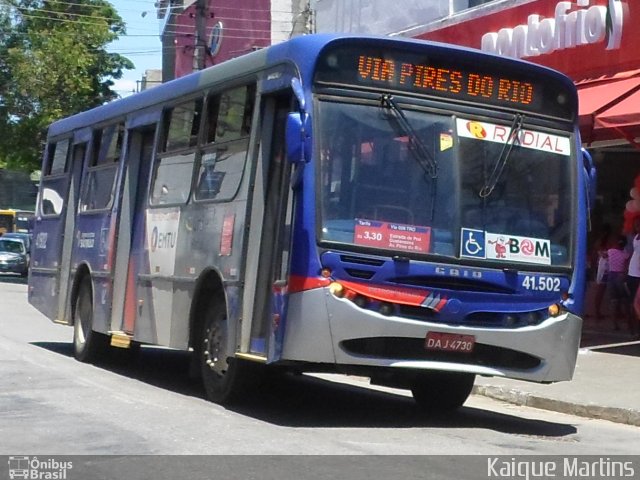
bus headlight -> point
(554, 310)
(336, 289)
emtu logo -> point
(569, 28)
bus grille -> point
(402, 348)
(360, 274)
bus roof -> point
(302, 51)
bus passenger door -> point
(269, 237)
(130, 239)
(64, 307)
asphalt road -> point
(50, 404)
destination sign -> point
(453, 73)
(466, 84)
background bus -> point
(408, 211)
(16, 221)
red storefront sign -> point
(584, 38)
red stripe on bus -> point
(298, 283)
(402, 295)
(441, 305)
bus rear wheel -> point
(87, 344)
(442, 391)
(225, 378)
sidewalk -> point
(606, 383)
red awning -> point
(625, 113)
(609, 108)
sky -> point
(141, 45)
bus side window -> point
(51, 200)
(172, 179)
(174, 164)
(228, 126)
(229, 114)
(221, 171)
(57, 157)
(213, 107)
(97, 189)
(183, 125)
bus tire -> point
(225, 378)
(88, 345)
(442, 391)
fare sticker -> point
(392, 236)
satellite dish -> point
(215, 39)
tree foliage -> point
(53, 63)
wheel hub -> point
(215, 355)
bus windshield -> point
(500, 193)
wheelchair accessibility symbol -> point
(472, 243)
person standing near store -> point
(633, 278)
(600, 260)
(617, 281)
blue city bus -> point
(408, 211)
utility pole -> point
(200, 43)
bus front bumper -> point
(324, 329)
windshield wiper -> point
(490, 185)
(420, 151)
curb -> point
(516, 397)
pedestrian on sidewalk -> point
(634, 327)
(633, 279)
(617, 281)
(600, 259)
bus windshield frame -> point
(375, 196)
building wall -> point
(382, 17)
(245, 26)
(152, 78)
(244, 29)
(288, 19)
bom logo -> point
(518, 249)
(528, 247)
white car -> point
(14, 257)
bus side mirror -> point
(298, 141)
(591, 177)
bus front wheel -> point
(87, 344)
(442, 391)
(225, 378)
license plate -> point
(449, 342)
